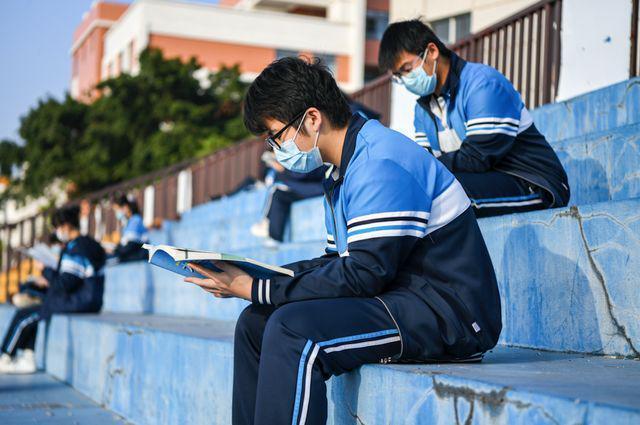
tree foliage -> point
(162, 115)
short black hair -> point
(411, 36)
(69, 214)
(122, 200)
(289, 86)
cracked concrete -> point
(620, 329)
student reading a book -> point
(32, 291)
(473, 119)
(406, 275)
(134, 233)
(75, 287)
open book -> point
(44, 254)
(176, 260)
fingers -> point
(229, 268)
(203, 270)
(205, 283)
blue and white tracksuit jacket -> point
(78, 284)
(479, 123)
(400, 229)
(134, 234)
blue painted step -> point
(153, 369)
(614, 106)
(41, 399)
(568, 279)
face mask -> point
(291, 158)
(418, 82)
(120, 216)
(62, 236)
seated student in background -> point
(286, 188)
(471, 118)
(32, 291)
(133, 233)
(406, 276)
(75, 287)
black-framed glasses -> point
(272, 141)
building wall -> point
(483, 12)
(87, 48)
(229, 35)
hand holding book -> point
(230, 282)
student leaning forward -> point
(406, 275)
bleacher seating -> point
(161, 351)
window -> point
(452, 29)
(377, 22)
(283, 53)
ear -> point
(313, 122)
(433, 52)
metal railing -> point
(211, 176)
(525, 47)
(377, 96)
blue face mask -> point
(120, 216)
(418, 82)
(293, 159)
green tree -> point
(140, 123)
(11, 154)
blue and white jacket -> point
(134, 231)
(77, 285)
(479, 123)
(400, 229)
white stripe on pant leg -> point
(267, 291)
(16, 335)
(307, 384)
(260, 291)
(362, 344)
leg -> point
(21, 332)
(279, 212)
(305, 343)
(495, 193)
(246, 359)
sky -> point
(35, 38)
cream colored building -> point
(453, 19)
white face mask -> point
(419, 82)
(62, 236)
(293, 159)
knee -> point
(250, 323)
(286, 322)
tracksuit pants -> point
(495, 193)
(21, 333)
(283, 356)
(278, 208)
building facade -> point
(345, 34)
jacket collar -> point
(450, 87)
(356, 123)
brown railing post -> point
(8, 269)
(633, 55)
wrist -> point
(261, 291)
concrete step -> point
(154, 369)
(41, 399)
(568, 278)
(605, 109)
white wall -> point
(595, 45)
(250, 27)
(402, 106)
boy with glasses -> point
(406, 275)
(471, 118)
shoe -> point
(22, 300)
(24, 364)
(270, 243)
(5, 362)
(261, 229)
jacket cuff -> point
(261, 291)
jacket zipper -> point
(329, 198)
